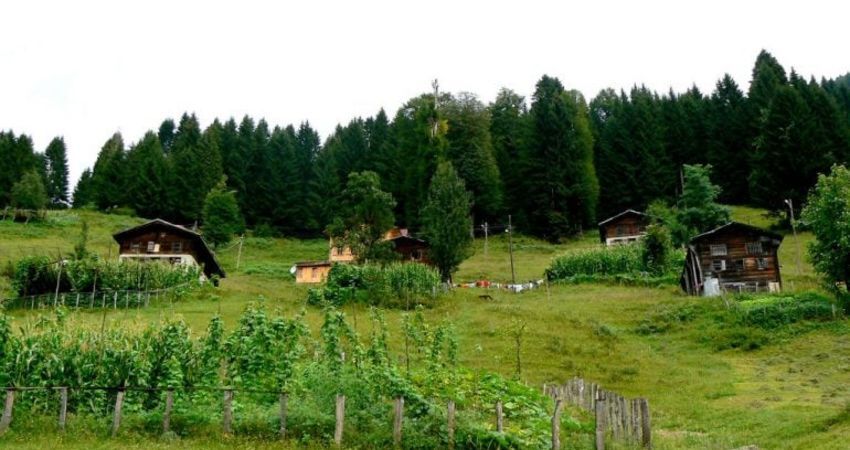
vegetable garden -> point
(264, 358)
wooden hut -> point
(312, 271)
(732, 258)
(625, 227)
(158, 240)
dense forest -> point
(555, 162)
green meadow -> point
(709, 385)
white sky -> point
(86, 69)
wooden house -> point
(158, 240)
(732, 258)
(409, 248)
(625, 227)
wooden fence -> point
(101, 299)
(227, 414)
(617, 417)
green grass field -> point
(790, 393)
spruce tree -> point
(561, 185)
(446, 220)
(84, 194)
(196, 163)
(57, 172)
(147, 185)
(508, 129)
(109, 177)
(470, 149)
(728, 150)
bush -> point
(393, 285)
(626, 263)
(37, 275)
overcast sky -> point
(84, 70)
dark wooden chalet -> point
(733, 258)
(159, 240)
(627, 226)
(410, 249)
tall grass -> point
(621, 263)
(392, 285)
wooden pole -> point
(116, 414)
(284, 400)
(645, 425)
(58, 280)
(63, 407)
(6, 420)
(499, 418)
(166, 415)
(556, 425)
(511, 249)
(486, 233)
(398, 420)
(239, 253)
(227, 416)
(600, 422)
(451, 423)
(340, 419)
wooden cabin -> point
(625, 227)
(732, 258)
(409, 248)
(158, 240)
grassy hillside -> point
(787, 392)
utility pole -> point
(790, 204)
(239, 253)
(511, 248)
(436, 125)
(485, 237)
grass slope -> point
(789, 394)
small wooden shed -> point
(732, 258)
(625, 227)
(312, 271)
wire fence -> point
(114, 299)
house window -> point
(762, 263)
(151, 246)
(718, 265)
(621, 230)
(177, 247)
(754, 248)
(718, 250)
(135, 246)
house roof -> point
(624, 213)
(738, 225)
(312, 263)
(207, 257)
(406, 237)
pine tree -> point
(728, 150)
(166, 135)
(18, 159)
(561, 185)
(84, 194)
(109, 178)
(508, 129)
(446, 220)
(196, 163)
(470, 149)
(57, 172)
(221, 218)
(147, 186)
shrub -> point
(393, 285)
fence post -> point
(284, 400)
(451, 423)
(340, 419)
(227, 416)
(115, 300)
(600, 421)
(6, 420)
(116, 415)
(556, 425)
(166, 415)
(63, 407)
(499, 419)
(645, 426)
(77, 303)
(398, 418)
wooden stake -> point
(284, 400)
(340, 419)
(499, 419)
(398, 418)
(451, 423)
(556, 425)
(645, 425)
(227, 416)
(600, 422)
(6, 420)
(63, 407)
(116, 415)
(166, 415)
